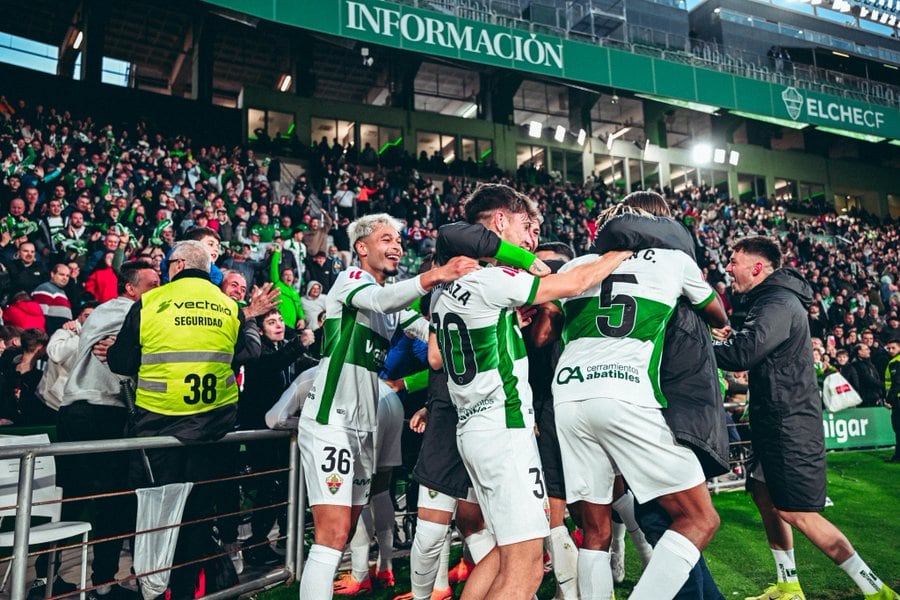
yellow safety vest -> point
(887, 375)
(188, 332)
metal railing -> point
(24, 498)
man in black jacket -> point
(788, 479)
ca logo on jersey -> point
(567, 374)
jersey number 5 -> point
(621, 305)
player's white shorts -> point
(601, 435)
(337, 463)
(435, 500)
(389, 429)
(506, 473)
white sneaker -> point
(617, 564)
(645, 550)
(236, 555)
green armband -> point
(416, 305)
(514, 256)
(416, 382)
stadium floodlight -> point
(894, 142)
(719, 155)
(734, 157)
(534, 129)
(582, 136)
(560, 134)
(78, 39)
(470, 111)
(285, 83)
(701, 153)
(773, 120)
(704, 108)
(866, 137)
(615, 135)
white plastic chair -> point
(44, 489)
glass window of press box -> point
(379, 138)
(611, 171)
(331, 130)
(567, 164)
(269, 124)
(431, 145)
(535, 156)
(477, 150)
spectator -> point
(321, 269)
(282, 358)
(26, 272)
(92, 408)
(23, 312)
(313, 304)
(52, 297)
(103, 283)
(62, 349)
(291, 306)
(21, 374)
(868, 380)
(316, 239)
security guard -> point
(180, 340)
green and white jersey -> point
(475, 321)
(360, 319)
(613, 333)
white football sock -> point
(317, 580)
(673, 559)
(862, 575)
(425, 556)
(564, 555)
(624, 506)
(359, 547)
(594, 577)
(442, 582)
(383, 515)
(785, 565)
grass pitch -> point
(866, 495)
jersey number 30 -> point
(456, 348)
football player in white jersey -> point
(607, 398)
(338, 419)
(484, 356)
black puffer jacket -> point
(785, 409)
(688, 375)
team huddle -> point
(552, 386)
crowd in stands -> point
(79, 198)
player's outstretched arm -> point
(714, 313)
(397, 296)
(580, 278)
(454, 269)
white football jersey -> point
(613, 333)
(476, 324)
